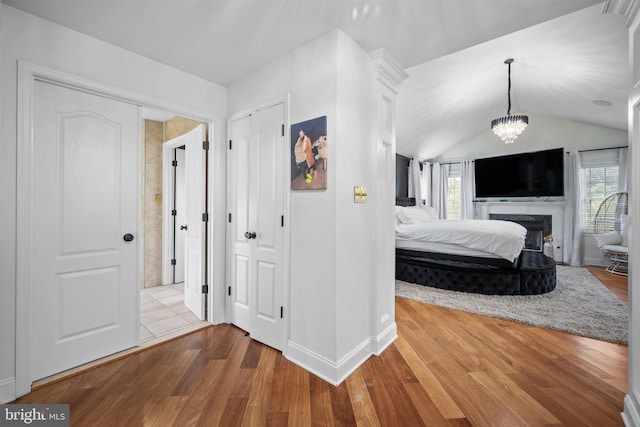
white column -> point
(631, 414)
(388, 74)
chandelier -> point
(510, 126)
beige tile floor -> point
(163, 313)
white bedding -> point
(503, 239)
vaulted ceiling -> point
(567, 53)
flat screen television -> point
(537, 174)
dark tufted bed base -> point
(532, 273)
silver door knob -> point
(250, 235)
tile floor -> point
(163, 313)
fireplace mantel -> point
(553, 208)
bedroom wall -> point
(544, 132)
(330, 238)
(26, 37)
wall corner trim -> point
(384, 339)
(330, 371)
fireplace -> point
(537, 227)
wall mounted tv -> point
(537, 174)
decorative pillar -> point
(388, 74)
(629, 8)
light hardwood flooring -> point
(446, 368)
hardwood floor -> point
(447, 368)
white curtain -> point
(467, 189)
(622, 169)
(572, 232)
(415, 181)
(439, 188)
(426, 183)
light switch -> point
(359, 194)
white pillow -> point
(611, 238)
(431, 211)
(624, 229)
(413, 215)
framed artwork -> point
(309, 154)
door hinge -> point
(205, 217)
(282, 129)
(173, 261)
(229, 291)
(229, 216)
(230, 144)
(205, 145)
(282, 221)
(174, 163)
(205, 289)
(174, 212)
(281, 312)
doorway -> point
(125, 235)
(163, 312)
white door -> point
(84, 301)
(195, 208)
(257, 184)
(238, 202)
(180, 217)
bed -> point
(479, 256)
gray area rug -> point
(580, 304)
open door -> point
(196, 215)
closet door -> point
(256, 165)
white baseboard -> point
(631, 414)
(8, 390)
(384, 339)
(598, 262)
(334, 372)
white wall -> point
(544, 132)
(28, 38)
(330, 236)
(309, 76)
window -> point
(453, 192)
(598, 179)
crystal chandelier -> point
(509, 127)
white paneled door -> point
(256, 229)
(84, 269)
(195, 213)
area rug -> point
(580, 304)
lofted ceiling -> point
(560, 67)
(567, 53)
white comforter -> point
(504, 239)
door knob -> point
(128, 237)
(250, 235)
(183, 227)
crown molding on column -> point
(387, 69)
(628, 8)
